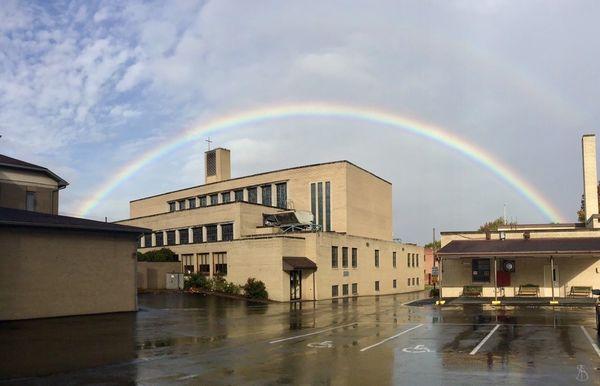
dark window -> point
(188, 266)
(253, 195)
(188, 269)
(203, 264)
(344, 257)
(31, 201)
(334, 291)
(413, 259)
(172, 206)
(159, 239)
(354, 257)
(417, 259)
(170, 237)
(327, 206)
(320, 203)
(211, 163)
(313, 201)
(334, 257)
(345, 289)
(377, 257)
(394, 260)
(408, 259)
(354, 288)
(394, 283)
(281, 195)
(147, 240)
(409, 281)
(417, 281)
(226, 197)
(227, 232)
(211, 233)
(184, 236)
(197, 234)
(220, 260)
(480, 270)
(191, 203)
(239, 195)
(413, 281)
(181, 204)
(203, 201)
(266, 195)
(214, 199)
(377, 285)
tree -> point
(435, 245)
(163, 254)
(492, 226)
(581, 211)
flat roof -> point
(263, 173)
(18, 164)
(541, 246)
(25, 218)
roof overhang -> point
(291, 263)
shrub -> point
(219, 284)
(255, 289)
(434, 293)
(197, 280)
(161, 255)
(232, 289)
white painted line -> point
(390, 338)
(594, 345)
(312, 333)
(488, 336)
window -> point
(377, 257)
(239, 195)
(214, 199)
(354, 288)
(320, 204)
(184, 236)
(253, 195)
(188, 266)
(413, 260)
(203, 201)
(334, 291)
(417, 259)
(313, 201)
(211, 233)
(220, 261)
(226, 197)
(266, 195)
(181, 204)
(147, 240)
(281, 195)
(140, 245)
(344, 257)
(227, 232)
(203, 264)
(409, 282)
(211, 163)
(394, 260)
(159, 239)
(191, 203)
(345, 289)
(480, 270)
(408, 259)
(354, 257)
(377, 285)
(197, 234)
(170, 237)
(327, 206)
(413, 281)
(172, 206)
(394, 283)
(31, 201)
(417, 281)
(334, 257)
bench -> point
(472, 290)
(528, 290)
(580, 291)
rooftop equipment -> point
(291, 221)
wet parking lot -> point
(195, 339)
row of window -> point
(412, 258)
(335, 288)
(197, 234)
(251, 195)
(203, 263)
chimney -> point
(217, 165)
(590, 179)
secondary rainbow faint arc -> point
(410, 125)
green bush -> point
(232, 289)
(161, 255)
(255, 289)
(197, 280)
(434, 293)
(219, 284)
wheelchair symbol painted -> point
(325, 344)
(418, 349)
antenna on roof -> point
(209, 142)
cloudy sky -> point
(87, 87)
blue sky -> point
(86, 87)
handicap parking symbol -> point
(325, 344)
(418, 349)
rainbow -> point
(321, 109)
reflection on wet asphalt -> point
(196, 339)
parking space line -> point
(594, 345)
(488, 336)
(312, 333)
(391, 337)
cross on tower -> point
(209, 142)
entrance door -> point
(295, 285)
(551, 279)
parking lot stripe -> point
(312, 333)
(594, 345)
(390, 338)
(488, 336)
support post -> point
(553, 301)
(441, 301)
(495, 301)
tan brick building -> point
(345, 249)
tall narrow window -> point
(266, 195)
(227, 232)
(184, 236)
(413, 259)
(345, 289)
(252, 195)
(334, 257)
(197, 234)
(417, 259)
(313, 201)
(147, 240)
(354, 288)
(354, 257)
(394, 259)
(211, 233)
(172, 206)
(170, 237)
(188, 266)
(344, 257)
(181, 204)
(320, 202)
(334, 291)
(408, 259)
(220, 263)
(327, 206)
(394, 283)
(377, 257)
(239, 195)
(214, 199)
(192, 203)
(203, 264)
(203, 201)
(159, 239)
(281, 195)
(377, 285)
(226, 197)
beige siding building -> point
(341, 243)
(539, 260)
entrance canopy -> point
(580, 246)
(291, 263)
